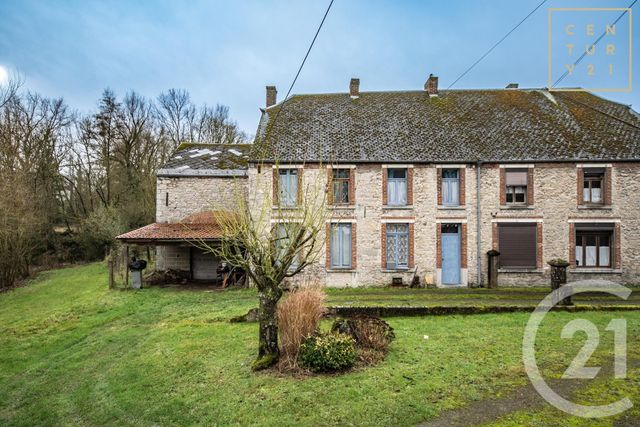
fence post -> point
(110, 266)
(126, 266)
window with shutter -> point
(516, 186)
(517, 245)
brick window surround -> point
(503, 185)
(409, 184)
(539, 241)
(354, 246)
(383, 244)
(606, 185)
(463, 244)
(461, 189)
(616, 262)
(274, 184)
(352, 185)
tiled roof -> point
(208, 160)
(199, 226)
(455, 126)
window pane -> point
(397, 173)
(509, 196)
(579, 253)
(340, 173)
(596, 195)
(346, 245)
(450, 187)
(341, 191)
(288, 186)
(586, 193)
(335, 246)
(391, 251)
(397, 191)
(341, 245)
(450, 173)
(590, 253)
(520, 194)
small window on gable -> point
(450, 187)
(397, 187)
(341, 186)
(516, 186)
(593, 185)
(288, 187)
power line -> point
(566, 73)
(275, 119)
(497, 44)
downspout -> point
(478, 228)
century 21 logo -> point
(590, 48)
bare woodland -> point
(70, 182)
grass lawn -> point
(72, 352)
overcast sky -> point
(227, 51)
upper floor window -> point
(592, 188)
(340, 188)
(450, 187)
(288, 187)
(341, 245)
(397, 246)
(516, 186)
(396, 187)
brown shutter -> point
(384, 186)
(329, 186)
(580, 184)
(300, 194)
(383, 245)
(276, 200)
(494, 237)
(352, 186)
(530, 200)
(354, 246)
(572, 245)
(409, 186)
(539, 246)
(503, 185)
(463, 245)
(607, 186)
(617, 260)
(438, 245)
(439, 184)
(461, 190)
(328, 246)
(518, 245)
(411, 239)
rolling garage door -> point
(204, 265)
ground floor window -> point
(397, 246)
(517, 245)
(593, 248)
(341, 246)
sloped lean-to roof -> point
(455, 126)
(201, 226)
(207, 160)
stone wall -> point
(177, 198)
(554, 194)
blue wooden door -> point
(450, 255)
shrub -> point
(328, 352)
(367, 331)
(299, 316)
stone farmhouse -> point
(424, 183)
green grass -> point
(74, 353)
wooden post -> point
(110, 264)
(493, 268)
(126, 266)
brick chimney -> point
(354, 88)
(272, 94)
(431, 85)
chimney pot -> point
(354, 88)
(272, 94)
(431, 85)
(512, 86)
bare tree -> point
(177, 115)
(269, 252)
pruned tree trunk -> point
(268, 352)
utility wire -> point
(286, 98)
(566, 73)
(497, 44)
